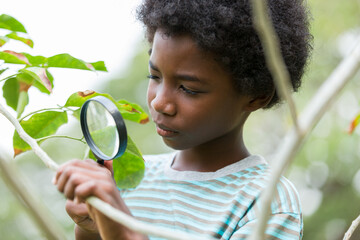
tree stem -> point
(24, 192)
(60, 136)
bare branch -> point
(32, 142)
(109, 211)
(138, 226)
(316, 108)
(352, 228)
(23, 191)
(274, 60)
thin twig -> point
(316, 108)
(24, 192)
(274, 60)
(60, 136)
(352, 228)
(141, 227)
(109, 211)
(8, 77)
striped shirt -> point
(221, 204)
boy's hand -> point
(80, 215)
(79, 180)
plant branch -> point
(24, 192)
(32, 142)
(138, 226)
(274, 60)
(315, 109)
(352, 228)
(60, 136)
(105, 208)
(8, 77)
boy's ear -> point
(259, 102)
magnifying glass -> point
(103, 128)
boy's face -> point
(190, 96)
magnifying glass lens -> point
(102, 129)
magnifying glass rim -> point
(119, 122)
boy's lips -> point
(165, 131)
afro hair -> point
(225, 29)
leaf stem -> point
(8, 77)
(60, 136)
(42, 110)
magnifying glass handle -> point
(101, 162)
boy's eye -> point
(188, 91)
(152, 77)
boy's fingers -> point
(76, 209)
(109, 166)
(85, 164)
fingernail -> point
(53, 180)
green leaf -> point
(76, 114)
(67, 61)
(36, 60)
(22, 102)
(11, 91)
(3, 40)
(10, 23)
(132, 111)
(129, 168)
(40, 77)
(13, 57)
(3, 70)
(15, 36)
(99, 66)
(39, 125)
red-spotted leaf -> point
(15, 36)
(40, 76)
(354, 124)
(132, 111)
(11, 91)
(67, 61)
(10, 23)
(13, 57)
(129, 111)
(77, 99)
(38, 126)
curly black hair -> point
(225, 29)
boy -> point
(207, 74)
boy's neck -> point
(212, 156)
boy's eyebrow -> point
(152, 66)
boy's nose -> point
(163, 102)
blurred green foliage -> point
(326, 170)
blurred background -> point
(326, 171)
